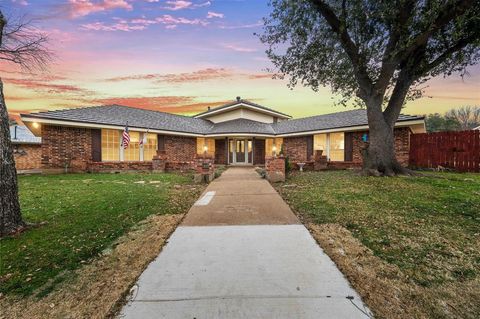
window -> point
(209, 143)
(132, 152)
(150, 147)
(337, 147)
(320, 143)
(332, 145)
(273, 146)
(110, 145)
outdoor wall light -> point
(36, 125)
(205, 148)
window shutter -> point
(96, 145)
(309, 147)
(348, 146)
(161, 142)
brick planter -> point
(275, 168)
(105, 167)
(204, 169)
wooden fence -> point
(455, 150)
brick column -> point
(159, 161)
(320, 161)
(204, 169)
(275, 168)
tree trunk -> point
(10, 215)
(379, 155)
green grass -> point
(83, 214)
(428, 226)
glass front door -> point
(240, 151)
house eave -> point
(240, 105)
(349, 128)
(41, 120)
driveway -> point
(241, 253)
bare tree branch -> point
(23, 44)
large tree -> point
(441, 123)
(377, 53)
(24, 45)
(468, 116)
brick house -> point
(238, 133)
(27, 149)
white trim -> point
(105, 126)
(348, 129)
(121, 127)
(239, 105)
(233, 135)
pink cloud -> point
(178, 5)
(21, 2)
(237, 48)
(121, 26)
(167, 20)
(212, 14)
(43, 84)
(175, 5)
(80, 8)
(188, 77)
(170, 21)
(243, 26)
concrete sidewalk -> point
(242, 253)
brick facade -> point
(66, 147)
(180, 148)
(71, 148)
(27, 156)
(99, 167)
(275, 168)
(296, 148)
(221, 151)
(258, 151)
(402, 145)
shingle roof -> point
(241, 101)
(139, 118)
(21, 134)
(120, 115)
(242, 126)
(329, 121)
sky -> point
(174, 56)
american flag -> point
(143, 139)
(125, 137)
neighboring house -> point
(27, 148)
(238, 133)
(477, 128)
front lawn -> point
(428, 227)
(78, 217)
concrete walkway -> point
(242, 253)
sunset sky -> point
(175, 56)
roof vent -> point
(208, 108)
(238, 99)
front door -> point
(240, 151)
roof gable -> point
(240, 103)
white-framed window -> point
(332, 145)
(113, 151)
(111, 145)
